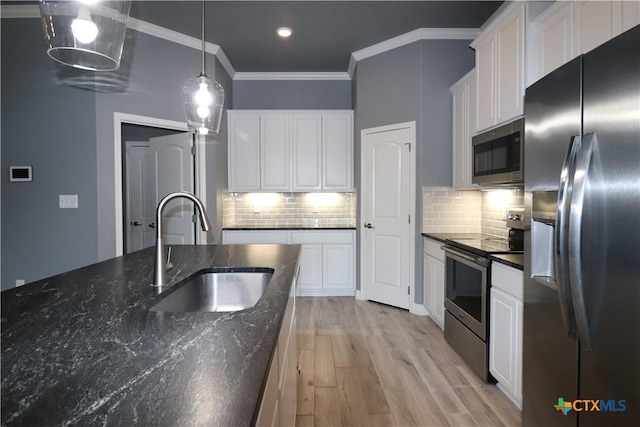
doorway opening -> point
(152, 128)
(156, 162)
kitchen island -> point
(83, 348)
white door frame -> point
(361, 294)
(123, 118)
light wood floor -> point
(368, 364)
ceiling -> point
(325, 33)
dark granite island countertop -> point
(82, 348)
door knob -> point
(368, 225)
(135, 223)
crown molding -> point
(292, 76)
(33, 11)
(411, 37)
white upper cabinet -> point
(307, 152)
(500, 68)
(486, 82)
(244, 151)
(510, 65)
(275, 151)
(337, 151)
(301, 150)
(568, 29)
(464, 103)
(555, 40)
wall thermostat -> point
(20, 173)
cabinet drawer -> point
(321, 237)
(507, 279)
(248, 237)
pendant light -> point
(85, 34)
(203, 99)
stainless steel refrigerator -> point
(581, 350)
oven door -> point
(466, 292)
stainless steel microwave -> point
(498, 155)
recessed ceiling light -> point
(284, 32)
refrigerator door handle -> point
(583, 161)
(561, 237)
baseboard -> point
(418, 309)
(326, 292)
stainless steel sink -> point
(216, 291)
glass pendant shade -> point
(85, 34)
(203, 98)
(203, 102)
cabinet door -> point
(555, 40)
(510, 65)
(338, 272)
(428, 283)
(307, 152)
(275, 148)
(505, 343)
(459, 137)
(244, 151)
(485, 83)
(438, 294)
(463, 114)
(434, 288)
(310, 277)
(594, 23)
(337, 151)
(630, 14)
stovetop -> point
(484, 244)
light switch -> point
(68, 201)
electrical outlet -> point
(19, 282)
(68, 201)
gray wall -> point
(61, 122)
(294, 95)
(411, 83)
(51, 127)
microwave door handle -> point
(583, 161)
(561, 240)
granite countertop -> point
(82, 348)
(512, 260)
(290, 227)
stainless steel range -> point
(468, 279)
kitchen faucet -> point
(160, 270)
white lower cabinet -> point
(279, 398)
(505, 336)
(434, 281)
(327, 258)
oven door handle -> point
(476, 260)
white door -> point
(141, 196)
(174, 172)
(161, 166)
(387, 193)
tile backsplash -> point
(289, 209)
(494, 206)
(448, 210)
